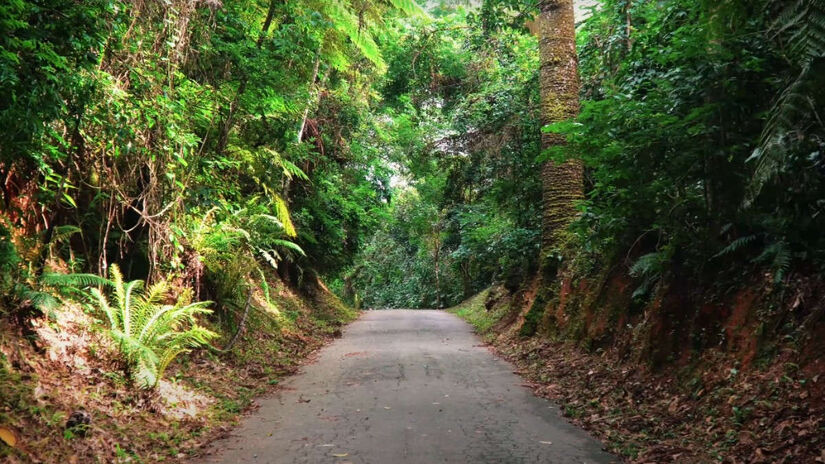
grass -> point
(474, 311)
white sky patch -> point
(582, 6)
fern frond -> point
(647, 264)
(649, 267)
(64, 232)
(803, 24)
(169, 316)
(779, 257)
(289, 245)
(147, 333)
(185, 298)
(271, 257)
(117, 279)
(155, 323)
(54, 279)
(347, 22)
(134, 351)
(289, 168)
(282, 212)
(103, 303)
(240, 231)
(274, 220)
(154, 295)
(146, 373)
(645, 288)
(409, 7)
(41, 300)
(166, 358)
(126, 305)
(736, 245)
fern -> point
(648, 264)
(649, 268)
(289, 245)
(736, 245)
(147, 333)
(53, 279)
(267, 218)
(348, 23)
(282, 212)
(289, 168)
(42, 301)
(271, 256)
(64, 232)
(408, 7)
(779, 257)
(265, 287)
(803, 23)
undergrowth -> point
(200, 395)
(474, 311)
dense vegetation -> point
(208, 148)
(699, 130)
(464, 103)
(199, 143)
(699, 127)
(398, 153)
(167, 138)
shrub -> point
(148, 333)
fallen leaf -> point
(8, 436)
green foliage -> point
(147, 332)
(53, 279)
(9, 260)
(474, 311)
(462, 126)
(397, 152)
(680, 109)
(128, 122)
(21, 289)
(793, 126)
(649, 268)
(47, 50)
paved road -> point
(406, 387)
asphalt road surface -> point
(406, 387)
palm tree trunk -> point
(562, 183)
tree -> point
(562, 180)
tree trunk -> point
(309, 103)
(562, 183)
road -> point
(406, 387)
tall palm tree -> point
(562, 183)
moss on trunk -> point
(559, 82)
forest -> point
(197, 194)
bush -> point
(148, 333)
